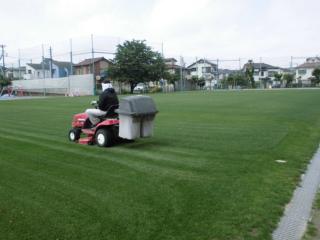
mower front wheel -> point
(104, 137)
(74, 134)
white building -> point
(204, 69)
(264, 73)
(37, 71)
(15, 73)
(58, 69)
(224, 73)
(304, 71)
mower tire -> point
(74, 134)
(104, 137)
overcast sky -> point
(202, 28)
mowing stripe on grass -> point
(146, 167)
(297, 213)
(209, 172)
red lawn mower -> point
(132, 118)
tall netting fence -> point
(34, 70)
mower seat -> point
(111, 113)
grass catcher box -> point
(136, 115)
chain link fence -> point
(194, 72)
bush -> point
(4, 82)
(155, 89)
(124, 91)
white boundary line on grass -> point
(297, 213)
(19, 98)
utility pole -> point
(50, 51)
(3, 64)
(92, 62)
(42, 63)
(71, 61)
(19, 64)
(43, 72)
(217, 70)
(260, 71)
(12, 69)
(180, 73)
(162, 49)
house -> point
(37, 71)
(304, 71)
(204, 69)
(59, 69)
(263, 72)
(101, 64)
(15, 73)
(172, 66)
(40, 70)
(180, 72)
(224, 73)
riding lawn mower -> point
(133, 118)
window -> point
(206, 69)
(302, 71)
(271, 73)
(29, 71)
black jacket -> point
(107, 98)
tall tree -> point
(231, 80)
(249, 73)
(4, 81)
(172, 78)
(288, 78)
(196, 81)
(135, 62)
(240, 80)
(278, 77)
(201, 82)
(316, 76)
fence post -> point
(69, 85)
(43, 72)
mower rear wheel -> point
(104, 137)
(74, 134)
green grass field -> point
(208, 173)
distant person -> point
(107, 99)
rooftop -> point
(38, 66)
(201, 61)
(309, 65)
(170, 60)
(263, 66)
(88, 61)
